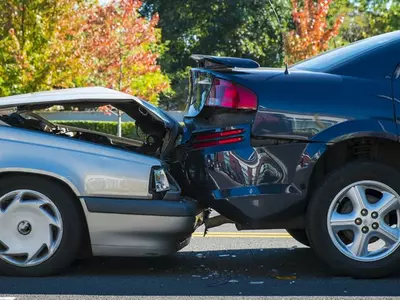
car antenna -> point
(287, 72)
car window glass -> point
(103, 120)
(327, 60)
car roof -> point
(64, 96)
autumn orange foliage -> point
(119, 48)
(312, 33)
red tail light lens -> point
(218, 142)
(204, 140)
(211, 136)
(227, 94)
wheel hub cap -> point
(24, 227)
(370, 229)
(31, 228)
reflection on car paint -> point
(301, 126)
(108, 185)
(259, 167)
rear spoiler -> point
(218, 62)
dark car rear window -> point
(327, 60)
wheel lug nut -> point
(375, 225)
(358, 221)
(365, 229)
(364, 212)
(374, 215)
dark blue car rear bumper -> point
(254, 185)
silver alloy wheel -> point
(364, 221)
(31, 228)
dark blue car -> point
(313, 148)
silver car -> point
(67, 191)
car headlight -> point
(161, 183)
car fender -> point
(356, 129)
(71, 185)
(348, 130)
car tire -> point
(340, 200)
(299, 235)
(37, 203)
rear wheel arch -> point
(383, 150)
(33, 172)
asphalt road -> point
(225, 265)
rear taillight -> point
(227, 94)
(216, 143)
(210, 136)
(160, 181)
(207, 139)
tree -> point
(365, 18)
(31, 56)
(380, 16)
(121, 48)
(312, 33)
(239, 28)
(47, 44)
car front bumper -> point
(131, 227)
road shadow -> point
(246, 272)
